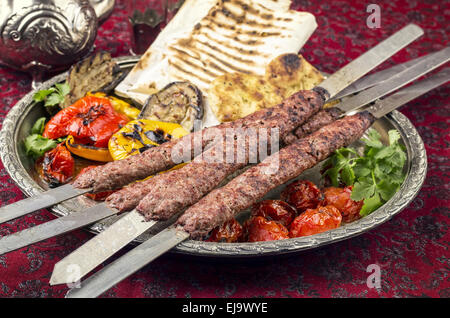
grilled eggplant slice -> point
(178, 102)
(95, 73)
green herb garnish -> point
(375, 176)
(53, 96)
(36, 145)
(39, 126)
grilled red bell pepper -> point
(58, 166)
(91, 121)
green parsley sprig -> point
(35, 144)
(53, 96)
(376, 175)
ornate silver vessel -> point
(39, 36)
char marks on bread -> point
(207, 39)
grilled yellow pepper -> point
(119, 105)
(139, 135)
(88, 152)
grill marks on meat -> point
(116, 174)
(127, 198)
(240, 193)
(165, 195)
(291, 113)
(317, 121)
(171, 192)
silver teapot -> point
(42, 36)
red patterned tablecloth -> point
(412, 249)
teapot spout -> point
(103, 9)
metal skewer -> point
(101, 247)
(40, 201)
(369, 60)
(26, 237)
(332, 85)
(55, 227)
(424, 66)
(151, 249)
(375, 56)
(376, 78)
(110, 240)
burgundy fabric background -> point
(412, 249)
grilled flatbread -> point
(236, 95)
(207, 39)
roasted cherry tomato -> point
(58, 166)
(275, 210)
(340, 199)
(91, 121)
(260, 229)
(229, 232)
(314, 221)
(302, 195)
(100, 196)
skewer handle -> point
(55, 227)
(376, 78)
(388, 104)
(100, 248)
(369, 60)
(137, 258)
(40, 201)
(426, 65)
(169, 238)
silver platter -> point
(21, 117)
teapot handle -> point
(103, 9)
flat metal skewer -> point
(100, 248)
(141, 255)
(369, 60)
(55, 227)
(376, 78)
(110, 235)
(165, 240)
(40, 201)
(61, 275)
(333, 85)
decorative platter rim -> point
(417, 168)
